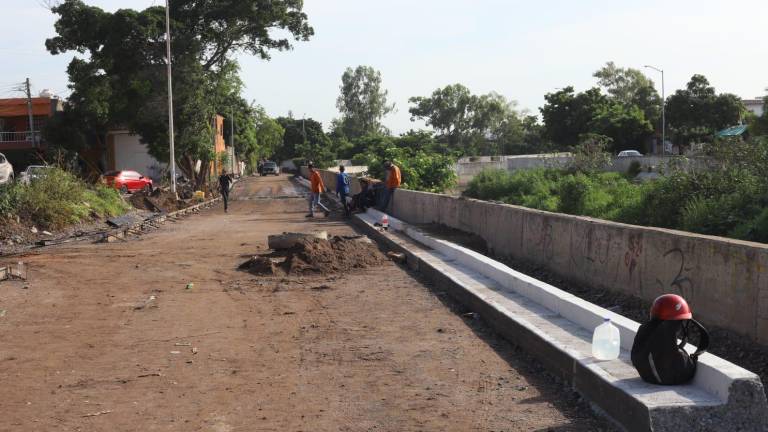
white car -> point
(630, 153)
(32, 173)
(6, 170)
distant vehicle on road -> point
(32, 173)
(6, 170)
(128, 181)
(630, 153)
(270, 167)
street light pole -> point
(170, 95)
(663, 111)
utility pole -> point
(663, 111)
(232, 140)
(170, 95)
(29, 113)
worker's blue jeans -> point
(314, 200)
(386, 197)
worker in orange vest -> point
(317, 187)
(392, 182)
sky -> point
(520, 49)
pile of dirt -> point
(159, 200)
(317, 256)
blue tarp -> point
(732, 131)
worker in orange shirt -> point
(392, 182)
(317, 187)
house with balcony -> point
(16, 133)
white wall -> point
(131, 154)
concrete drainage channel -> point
(556, 327)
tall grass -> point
(727, 202)
(58, 199)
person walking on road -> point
(392, 182)
(316, 188)
(342, 189)
(225, 183)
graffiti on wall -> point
(680, 282)
(634, 250)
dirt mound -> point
(337, 255)
(159, 200)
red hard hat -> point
(670, 307)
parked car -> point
(128, 181)
(32, 173)
(630, 153)
(270, 167)
(6, 170)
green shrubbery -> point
(729, 201)
(58, 199)
(600, 195)
(421, 165)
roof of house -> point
(16, 107)
(732, 131)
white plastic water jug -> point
(606, 341)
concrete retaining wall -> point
(724, 280)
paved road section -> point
(107, 337)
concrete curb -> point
(553, 326)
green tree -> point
(695, 113)
(362, 102)
(471, 124)
(305, 139)
(568, 115)
(121, 80)
(448, 110)
(631, 88)
(626, 125)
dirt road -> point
(83, 348)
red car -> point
(128, 181)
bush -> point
(58, 199)
(753, 230)
(600, 195)
(634, 169)
(731, 200)
(420, 170)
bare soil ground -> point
(112, 337)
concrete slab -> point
(556, 327)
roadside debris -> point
(396, 257)
(190, 286)
(11, 273)
(96, 414)
(150, 302)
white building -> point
(755, 106)
(125, 151)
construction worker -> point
(392, 182)
(317, 187)
(225, 183)
(342, 189)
